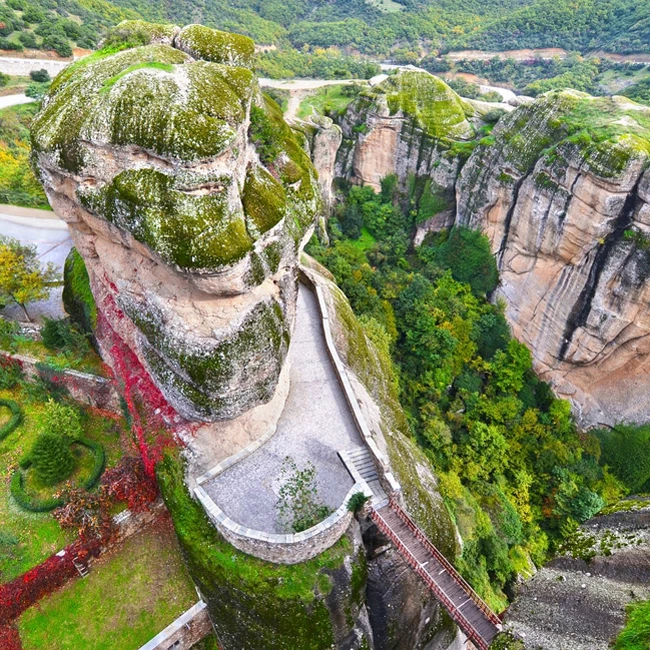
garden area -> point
(129, 596)
(45, 444)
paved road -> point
(316, 423)
(50, 235)
(14, 100)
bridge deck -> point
(464, 606)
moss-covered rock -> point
(148, 148)
(212, 45)
(78, 298)
(258, 605)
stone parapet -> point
(283, 549)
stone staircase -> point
(361, 465)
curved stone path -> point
(315, 424)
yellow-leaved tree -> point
(22, 277)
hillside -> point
(377, 26)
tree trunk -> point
(27, 316)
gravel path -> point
(316, 423)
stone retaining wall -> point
(189, 628)
(92, 390)
(283, 549)
(22, 67)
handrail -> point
(451, 608)
(480, 603)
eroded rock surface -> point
(562, 191)
(412, 125)
(577, 601)
(189, 198)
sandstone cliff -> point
(577, 601)
(561, 189)
(188, 197)
(414, 126)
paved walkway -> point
(316, 423)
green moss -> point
(165, 67)
(220, 47)
(78, 298)
(140, 32)
(253, 604)
(264, 201)
(192, 231)
(439, 111)
(203, 376)
(144, 96)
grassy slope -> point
(128, 598)
(39, 534)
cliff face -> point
(412, 125)
(578, 600)
(561, 189)
(188, 197)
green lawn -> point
(26, 539)
(325, 100)
(365, 242)
(87, 362)
(636, 633)
(128, 598)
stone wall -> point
(91, 390)
(283, 549)
(22, 67)
(189, 628)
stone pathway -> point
(316, 423)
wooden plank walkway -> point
(471, 614)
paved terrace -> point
(316, 423)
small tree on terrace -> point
(298, 502)
(22, 278)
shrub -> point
(264, 135)
(357, 501)
(62, 421)
(298, 502)
(625, 452)
(42, 76)
(52, 458)
(467, 254)
(61, 334)
(10, 373)
(8, 331)
(14, 421)
(78, 298)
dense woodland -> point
(376, 28)
(514, 470)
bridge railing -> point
(480, 603)
(447, 603)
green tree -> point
(22, 278)
(51, 458)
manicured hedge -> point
(99, 464)
(28, 502)
(31, 504)
(16, 417)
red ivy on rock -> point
(130, 483)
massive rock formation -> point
(561, 189)
(415, 126)
(578, 601)
(188, 197)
